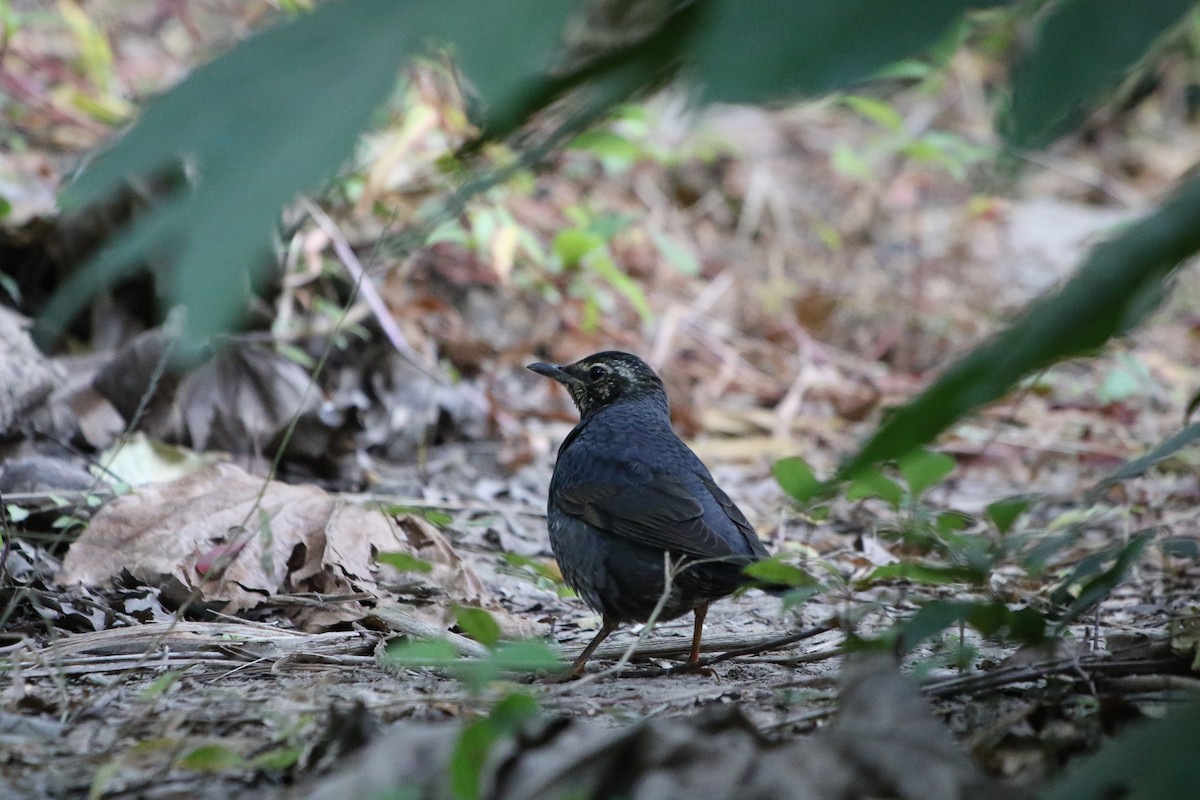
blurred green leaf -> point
(922, 469)
(1101, 586)
(211, 758)
(244, 124)
(1151, 760)
(478, 624)
(773, 570)
(1119, 283)
(477, 739)
(1138, 466)
(797, 478)
(404, 562)
(932, 574)
(437, 653)
(880, 112)
(627, 286)
(989, 618)
(573, 244)
(679, 257)
(521, 657)
(278, 758)
(1004, 512)
(872, 483)
(1082, 50)
(774, 49)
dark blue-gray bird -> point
(625, 491)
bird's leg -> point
(578, 664)
(701, 612)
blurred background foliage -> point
(236, 140)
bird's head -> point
(605, 378)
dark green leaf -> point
(1082, 50)
(930, 620)
(1102, 585)
(478, 624)
(950, 522)
(797, 478)
(1003, 513)
(988, 617)
(1138, 466)
(1153, 760)
(1119, 283)
(776, 49)
(244, 125)
(922, 469)
(872, 483)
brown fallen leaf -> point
(223, 537)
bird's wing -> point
(645, 505)
(736, 517)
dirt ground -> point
(190, 630)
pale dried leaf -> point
(223, 536)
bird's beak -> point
(556, 372)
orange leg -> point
(701, 613)
(578, 664)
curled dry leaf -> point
(223, 537)
(239, 401)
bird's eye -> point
(597, 372)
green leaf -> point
(479, 737)
(681, 258)
(1119, 283)
(404, 562)
(772, 49)
(1103, 584)
(988, 617)
(1138, 466)
(574, 244)
(797, 478)
(627, 286)
(930, 620)
(469, 755)
(931, 574)
(537, 566)
(1152, 760)
(615, 150)
(437, 653)
(881, 112)
(872, 483)
(922, 469)
(1082, 50)
(478, 624)
(278, 758)
(523, 657)
(244, 126)
(1004, 512)
(160, 685)
(772, 570)
(212, 758)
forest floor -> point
(197, 631)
